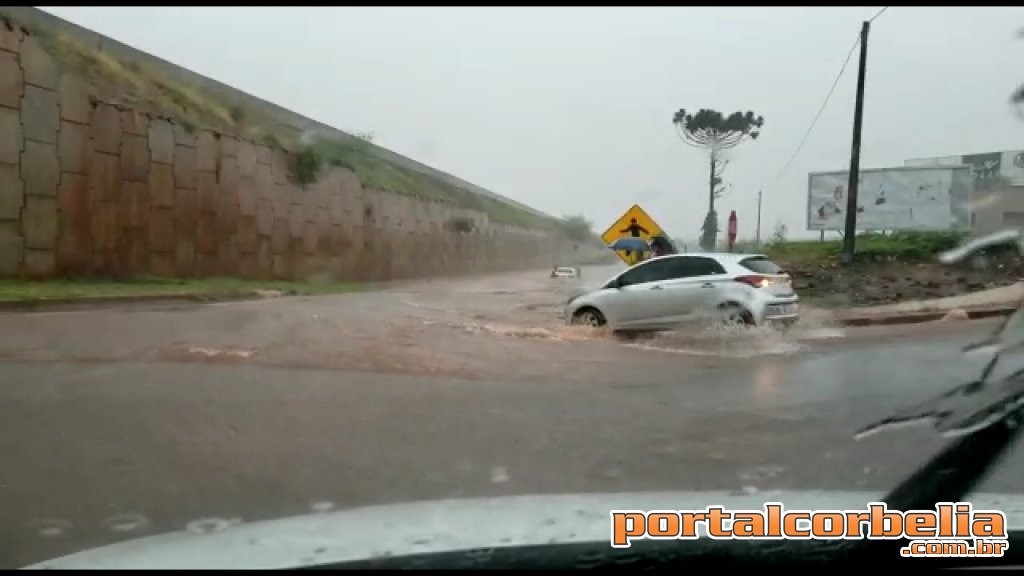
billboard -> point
(902, 198)
(1012, 168)
(991, 168)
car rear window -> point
(761, 265)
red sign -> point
(732, 229)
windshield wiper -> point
(983, 415)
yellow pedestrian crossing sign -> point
(634, 223)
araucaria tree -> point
(712, 131)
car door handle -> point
(655, 288)
(707, 285)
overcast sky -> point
(569, 109)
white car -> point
(566, 272)
(669, 291)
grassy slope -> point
(194, 109)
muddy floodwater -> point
(529, 306)
(507, 325)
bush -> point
(307, 165)
(779, 236)
(461, 224)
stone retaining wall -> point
(95, 188)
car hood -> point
(581, 289)
(438, 526)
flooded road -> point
(119, 423)
(506, 325)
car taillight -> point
(755, 281)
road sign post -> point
(634, 222)
(732, 230)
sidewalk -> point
(995, 302)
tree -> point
(709, 231)
(714, 132)
(779, 236)
(577, 228)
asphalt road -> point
(116, 424)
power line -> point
(822, 109)
(880, 12)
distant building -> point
(998, 198)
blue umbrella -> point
(630, 243)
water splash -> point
(561, 333)
(722, 341)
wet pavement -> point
(506, 326)
(119, 423)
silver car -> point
(668, 291)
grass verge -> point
(41, 291)
(898, 246)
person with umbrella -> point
(634, 230)
(630, 245)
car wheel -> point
(588, 317)
(734, 315)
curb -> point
(926, 316)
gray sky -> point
(569, 109)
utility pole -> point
(757, 237)
(850, 231)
